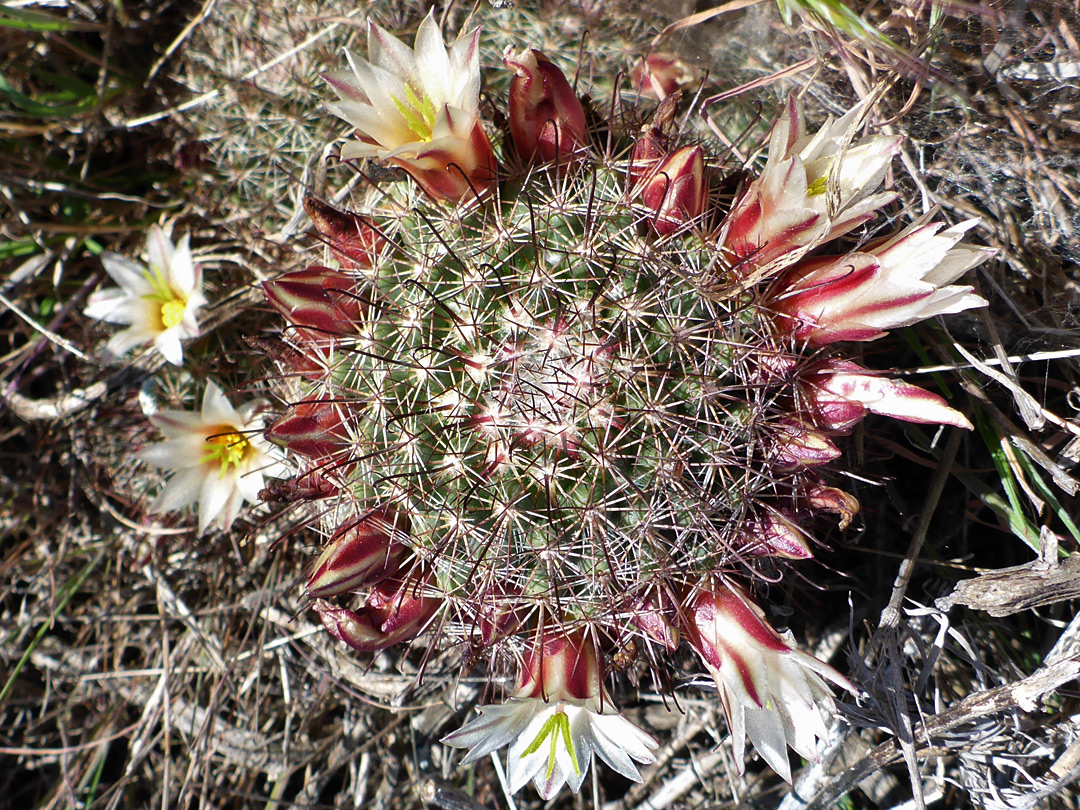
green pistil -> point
(555, 726)
(228, 449)
(818, 187)
(418, 112)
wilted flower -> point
(160, 303)
(813, 188)
(559, 716)
(547, 121)
(418, 109)
(901, 280)
(218, 455)
(771, 692)
(840, 393)
(660, 74)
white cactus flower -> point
(219, 457)
(557, 719)
(159, 303)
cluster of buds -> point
(564, 400)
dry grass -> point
(141, 666)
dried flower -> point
(418, 109)
(771, 692)
(160, 303)
(897, 282)
(661, 73)
(352, 239)
(219, 458)
(559, 716)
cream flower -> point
(813, 188)
(160, 303)
(896, 282)
(219, 458)
(418, 108)
(771, 692)
(557, 719)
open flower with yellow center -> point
(159, 302)
(559, 716)
(418, 108)
(219, 456)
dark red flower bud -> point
(360, 554)
(396, 611)
(547, 121)
(312, 429)
(320, 301)
(352, 238)
(310, 486)
(676, 190)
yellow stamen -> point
(228, 448)
(172, 313)
(819, 186)
(419, 113)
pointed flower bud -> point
(353, 239)
(418, 109)
(360, 554)
(676, 191)
(840, 393)
(559, 716)
(799, 445)
(771, 692)
(313, 429)
(897, 282)
(396, 611)
(653, 144)
(775, 533)
(655, 618)
(547, 121)
(318, 300)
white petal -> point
(128, 274)
(214, 496)
(181, 490)
(766, 732)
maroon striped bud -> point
(313, 429)
(557, 666)
(360, 554)
(654, 618)
(653, 145)
(547, 121)
(396, 611)
(799, 445)
(318, 300)
(774, 533)
(676, 190)
(353, 239)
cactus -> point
(562, 391)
